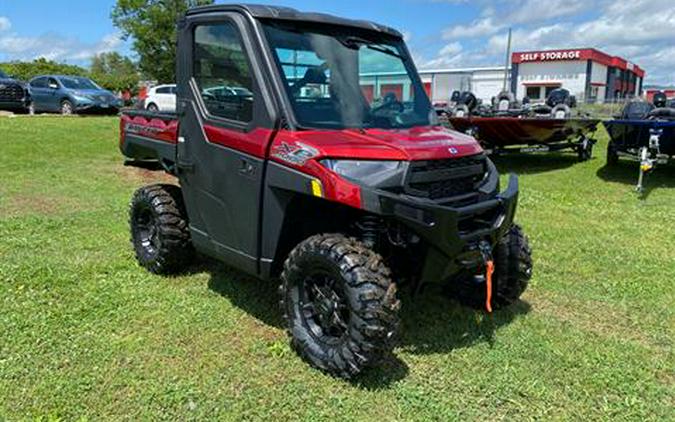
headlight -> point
(371, 172)
(81, 99)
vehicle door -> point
(39, 93)
(53, 95)
(223, 139)
(161, 97)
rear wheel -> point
(67, 108)
(153, 107)
(159, 229)
(513, 270)
(339, 304)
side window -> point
(164, 90)
(53, 84)
(222, 72)
(39, 83)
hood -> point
(419, 143)
(92, 92)
(8, 81)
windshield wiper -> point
(355, 42)
(386, 51)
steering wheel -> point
(393, 105)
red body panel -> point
(419, 143)
(157, 128)
(253, 143)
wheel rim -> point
(66, 108)
(323, 306)
(147, 233)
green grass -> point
(86, 333)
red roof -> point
(574, 54)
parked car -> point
(161, 98)
(14, 95)
(72, 94)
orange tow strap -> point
(490, 268)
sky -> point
(440, 33)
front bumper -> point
(21, 104)
(452, 233)
(112, 108)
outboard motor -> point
(466, 103)
(660, 100)
(505, 101)
(662, 110)
(559, 100)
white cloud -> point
(642, 31)
(451, 49)
(5, 24)
(525, 11)
(449, 56)
(497, 16)
(477, 28)
(51, 45)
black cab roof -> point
(259, 11)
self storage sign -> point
(543, 56)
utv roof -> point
(259, 11)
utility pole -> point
(508, 59)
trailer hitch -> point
(489, 263)
(649, 156)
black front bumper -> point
(452, 233)
(15, 105)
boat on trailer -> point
(508, 126)
(644, 132)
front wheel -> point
(339, 304)
(67, 108)
(513, 270)
(159, 229)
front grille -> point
(457, 178)
(11, 92)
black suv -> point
(14, 95)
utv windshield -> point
(340, 78)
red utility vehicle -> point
(288, 171)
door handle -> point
(185, 166)
(246, 168)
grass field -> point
(86, 333)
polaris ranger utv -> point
(294, 163)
